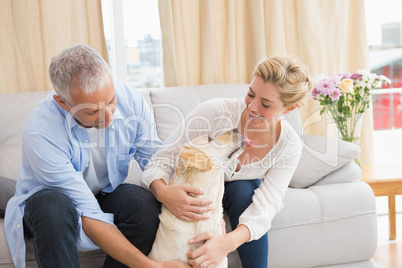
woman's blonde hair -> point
(289, 77)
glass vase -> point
(353, 130)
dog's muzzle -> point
(236, 131)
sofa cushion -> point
(171, 105)
(321, 156)
(324, 225)
(7, 190)
(14, 109)
(351, 172)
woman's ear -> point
(61, 102)
(291, 108)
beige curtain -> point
(33, 31)
(220, 41)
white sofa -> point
(327, 220)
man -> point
(77, 146)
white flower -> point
(385, 79)
(377, 83)
(367, 76)
(360, 83)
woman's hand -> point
(223, 225)
(216, 246)
(212, 252)
(180, 201)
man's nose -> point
(107, 114)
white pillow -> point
(351, 172)
(321, 156)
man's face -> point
(96, 109)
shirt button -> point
(87, 165)
(18, 226)
(86, 140)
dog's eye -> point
(210, 139)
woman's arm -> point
(267, 198)
(205, 119)
(256, 219)
(156, 177)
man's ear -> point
(192, 158)
(61, 102)
(291, 108)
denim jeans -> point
(51, 220)
(238, 196)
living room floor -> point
(389, 252)
(387, 148)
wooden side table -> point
(385, 180)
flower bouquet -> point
(346, 97)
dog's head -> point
(205, 153)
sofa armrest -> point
(334, 223)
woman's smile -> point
(253, 115)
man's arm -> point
(113, 243)
(51, 166)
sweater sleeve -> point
(267, 198)
(202, 120)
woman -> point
(257, 179)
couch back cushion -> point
(14, 110)
(172, 104)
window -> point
(384, 28)
(385, 55)
(132, 34)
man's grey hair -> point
(78, 67)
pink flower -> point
(342, 75)
(356, 76)
(335, 94)
(328, 86)
(314, 92)
(324, 87)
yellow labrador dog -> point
(201, 163)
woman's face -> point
(264, 106)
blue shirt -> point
(56, 151)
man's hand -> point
(180, 201)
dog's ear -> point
(193, 158)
